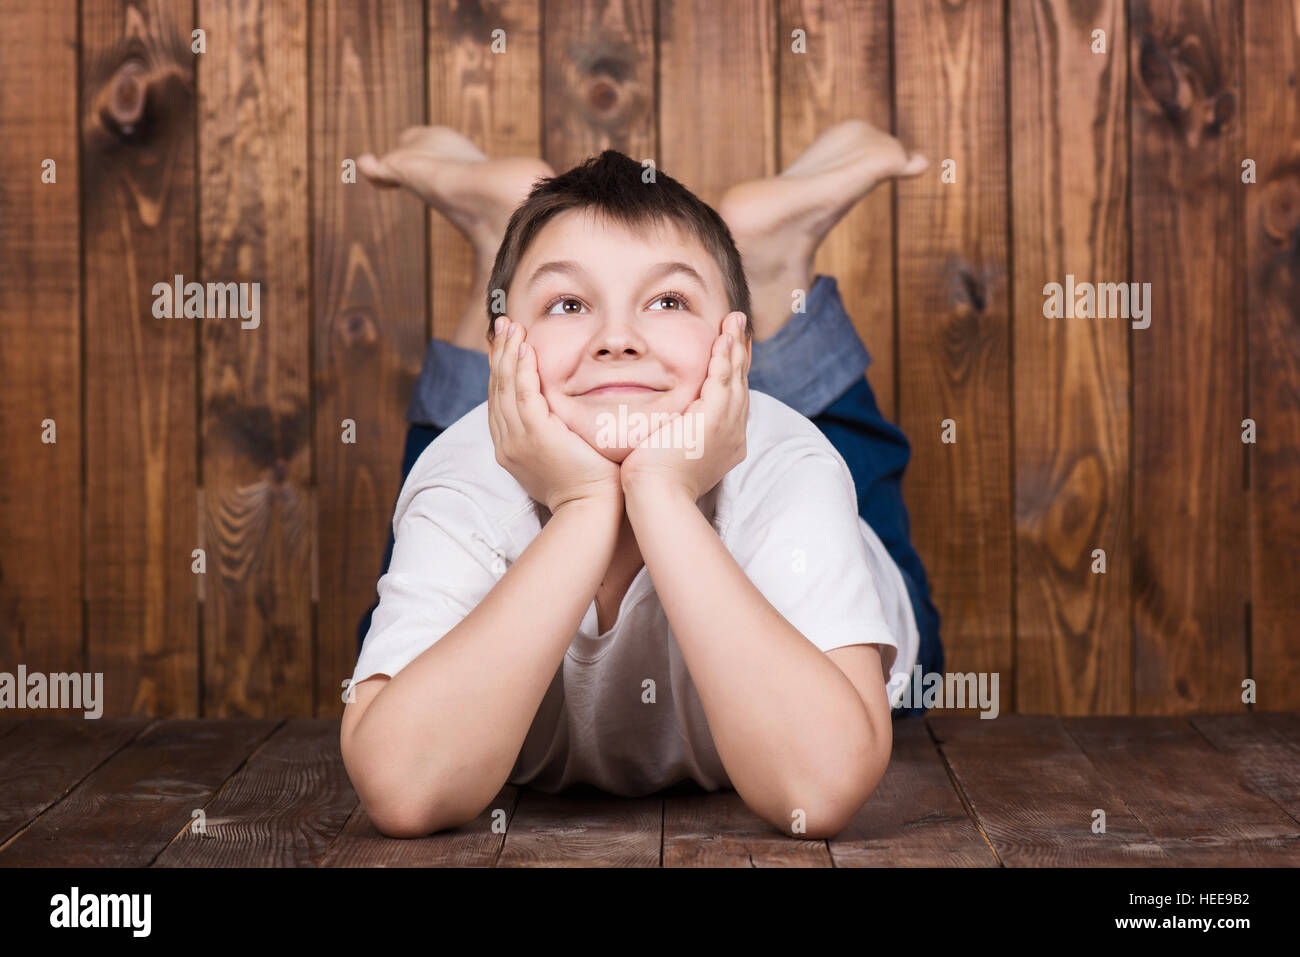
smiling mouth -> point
(618, 389)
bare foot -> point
(477, 194)
(779, 222)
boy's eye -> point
(564, 301)
(673, 297)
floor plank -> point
(1187, 793)
(915, 818)
(42, 759)
(583, 830)
(1265, 761)
(477, 844)
(1034, 792)
(1284, 723)
(281, 809)
(718, 830)
(130, 807)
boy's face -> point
(604, 304)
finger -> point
(533, 407)
(713, 391)
(916, 163)
(494, 374)
(509, 386)
(740, 351)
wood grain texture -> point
(1272, 139)
(282, 808)
(368, 305)
(40, 341)
(915, 817)
(1264, 760)
(476, 844)
(139, 227)
(1069, 188)
(1034, 794)
(127, 811)
(845, 74)
(600, 80)
(50, 756)
(718, 830)
(573, 830)
(717, 113)
(494, 99)
(1178, 785)
(1190, 571)
(257, 515)
(950, 92)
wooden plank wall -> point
(1171, 156)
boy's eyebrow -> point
(667, 269)
(561, 267)
(567, 267)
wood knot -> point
(1222, 110)
(1158, 75)
(974, 291)
(602, 95)
(359, 330)
(1281, 218)
(128, 96)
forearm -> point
(448, 727)
(791, 729)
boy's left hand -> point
(715, 433)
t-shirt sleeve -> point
(441, 568)
(801, 544)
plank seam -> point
(80, 781)
(1258, 727)
(961, 792)
(221, 787)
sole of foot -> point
(815, 192)
(476, 193)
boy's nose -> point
(620, 335)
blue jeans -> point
(816, 365)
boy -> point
(743, 624)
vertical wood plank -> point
(600, 80)
(138, 211)
(494, 99)
(1190, 567)
(717, 93)
(369, 282)
(845, 74)
(1069, 188)
(953, 348)
(256, 407)
(40, 341)
(1272, 133)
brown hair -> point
(612, 185)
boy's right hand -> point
(553, 463)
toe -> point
(916, 163)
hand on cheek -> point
(554, 464)
(693, 451)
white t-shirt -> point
(787, 513)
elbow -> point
(402, 813)
(406, 818)
(399, 809)
(824, 809)
(821, 817)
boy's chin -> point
(615, 454)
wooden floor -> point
(1018, 791)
